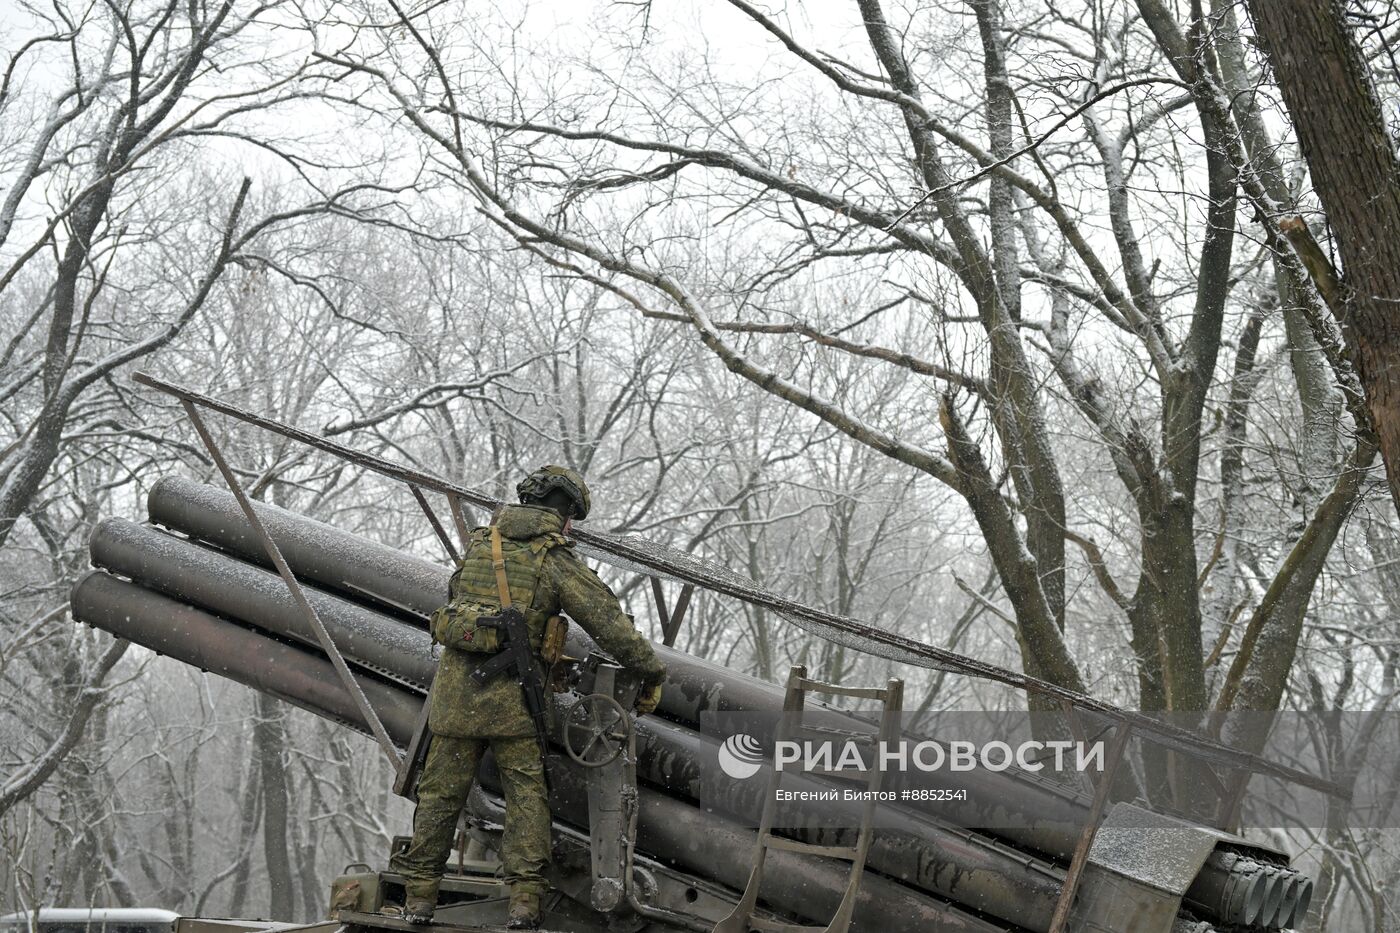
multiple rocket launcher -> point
(200, 592)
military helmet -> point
(538, 484)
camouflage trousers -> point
(447, 777)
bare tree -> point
(1326, 82)
(117, 228)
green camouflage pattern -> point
(473, 591)
(443, 786)
(538, 484)
(534, 549)
(545, 578)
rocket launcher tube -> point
(234, 589)
(301, 677)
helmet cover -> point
(539, 483)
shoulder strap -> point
(547, 542)
(498, 562)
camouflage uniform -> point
(545, 577)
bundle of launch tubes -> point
(201, 592)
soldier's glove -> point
(648, 698)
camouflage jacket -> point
(546, 578)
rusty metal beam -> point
(659, 596)
(1116, 751)
(454, 502)
(415, 756)
(671, 619)
(440, 531)
(678, 615)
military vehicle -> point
(650, 831)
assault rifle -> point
(517, 661)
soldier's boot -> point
(419, 910)
(524, 912)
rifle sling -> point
(517, 653)
(498, 563)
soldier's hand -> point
(648, 698)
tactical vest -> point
(474, 592)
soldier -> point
(540, 574)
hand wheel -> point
(596, 729)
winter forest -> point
(983, 321)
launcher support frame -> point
(1144, 726)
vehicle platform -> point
(354, 920)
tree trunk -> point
(1341, 130)
(270, 746)
(1033, 466)
(250, 818)
(1259, 674)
